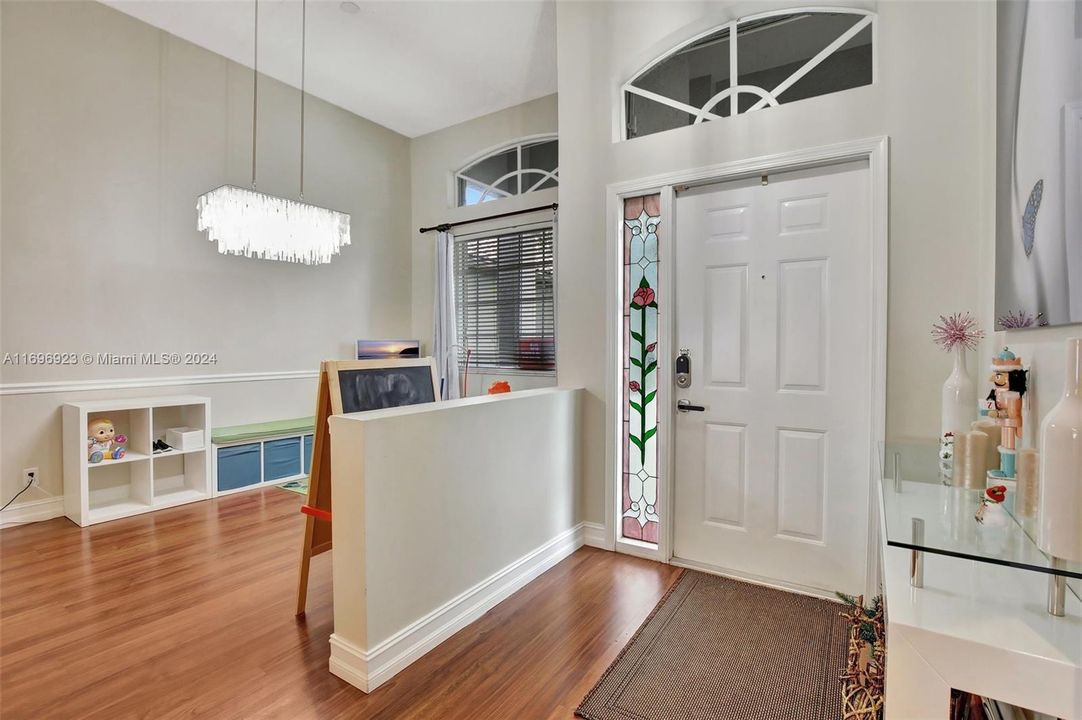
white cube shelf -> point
(140, 481)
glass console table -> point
(924, 513)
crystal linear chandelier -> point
(255, 224)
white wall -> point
(934, 97)
(433, 159)
(110, 130)
(415, 532)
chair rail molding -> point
(60, 386)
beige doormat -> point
(719, 649)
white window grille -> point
(524, 166)
(760, 61)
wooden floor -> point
(189, 613)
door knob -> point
(686, 406)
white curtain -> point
(556, 291)
(445, 317)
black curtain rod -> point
(447, 226)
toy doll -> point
(103, 442)
(1004, 406)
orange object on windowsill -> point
(499, 386)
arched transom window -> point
(525, 166)
(748, 64)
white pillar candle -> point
(993, 431)
(970, 460)
(1026, 492)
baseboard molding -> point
(350, 663)
(129, 383)
(32, 511)
(595, 535)
(368, 669)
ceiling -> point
(413, 66)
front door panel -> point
(773, 295)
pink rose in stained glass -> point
(643, 297)
(634, 386)
(651, 347)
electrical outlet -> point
(31, 476)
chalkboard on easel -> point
(347, 386)
(385, 387)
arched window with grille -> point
(752, 63)
(516, 169)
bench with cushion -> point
(250, 456)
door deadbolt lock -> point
(683, 369)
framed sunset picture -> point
(378, 349)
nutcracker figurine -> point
(1004, 406)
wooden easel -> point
(317, 532)
(317, 510)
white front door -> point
(774, 305)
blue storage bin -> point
(281, 458)
(238, 466)
(307, 454)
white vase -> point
(959, 402)
(1059, 532)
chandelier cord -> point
(247, 222)
(304, 22)
(255, 88)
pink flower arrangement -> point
(643, 297)
(957, 331)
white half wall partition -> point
(440, 512)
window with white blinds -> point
(505, 300)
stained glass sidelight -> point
(639, 521)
